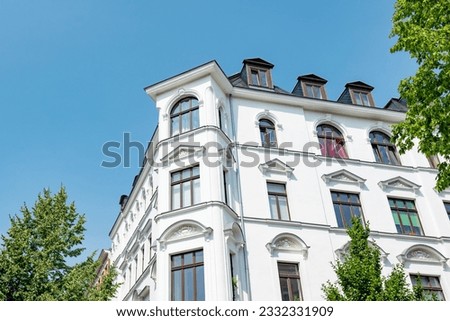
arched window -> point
(331, 141)
(385, 152)
(267, 133)
(184, 116)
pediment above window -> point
(341, 252)
(423, 254)
(276, 166)
(183, 230)
(343, 176)
(399, 183)
(181, 152)
(287, 242)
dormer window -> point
(313, 91)
(361, 98)
(257, 72)
(258, 77)
(357, 93)
(311, 86)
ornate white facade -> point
(237, 200)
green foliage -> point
(35, 251)
(422, 28)
(360, 274)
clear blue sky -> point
(72, 75)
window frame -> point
(339, 203)
(391, 148)
(260, 73)
(290, 277)
(428, 288)
(323, 141)
(179, 115)
(408, 211)
(321, 87)
(359, 93)
(277, 195)
(180, 182)
(264, 130)
(183, 267)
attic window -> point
(259, 77)
(311, 86)
(314, 90)
(362, 98)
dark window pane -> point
(357, 99)
(262, 73)
(200, 277)
(195, 119)
(255, 77)
(189, 285)
(175, 125)
(198, 256)
(295, 288)
(284, 289)
(276, 188)
(188, 258)
(337, 211)
(176, 286)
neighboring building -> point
(105, 264)
(247, 189)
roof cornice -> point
(209, 69)
(320, 105)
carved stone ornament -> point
(419, 254)
(284, 243)
(184, 231)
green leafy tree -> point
(35, 255)
(422, 28)
(360, 274)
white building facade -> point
(246, 191)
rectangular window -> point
(447, 209)
(188, 283)
(279, 209)
(258, 77)
(149, 247)
(289, 282)
(185, 187)
(361, 98)
(225, 187)
(143, 258)
(405, 216)
(313, 91)
(346, 206)
(431, 286)
(136, 272)
(130, 283)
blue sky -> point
(72, 75)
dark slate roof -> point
(345, 97)
(312, 78)
(359, 84)
(258, 61)
(397, 104)
(237, 81)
